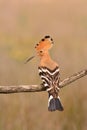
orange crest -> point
(45, 44)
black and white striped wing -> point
(49, 77)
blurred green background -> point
(22, 24)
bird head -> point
(43, 46)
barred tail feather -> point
(54, 104)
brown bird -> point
(49, 73)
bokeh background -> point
(22, 24)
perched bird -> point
(49, 73)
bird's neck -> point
(46, 60)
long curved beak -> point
(30, 58)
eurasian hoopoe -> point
(49, 73)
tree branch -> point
(37, 88)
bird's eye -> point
(41, 51)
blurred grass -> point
(22, 25)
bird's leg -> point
(43, 87)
